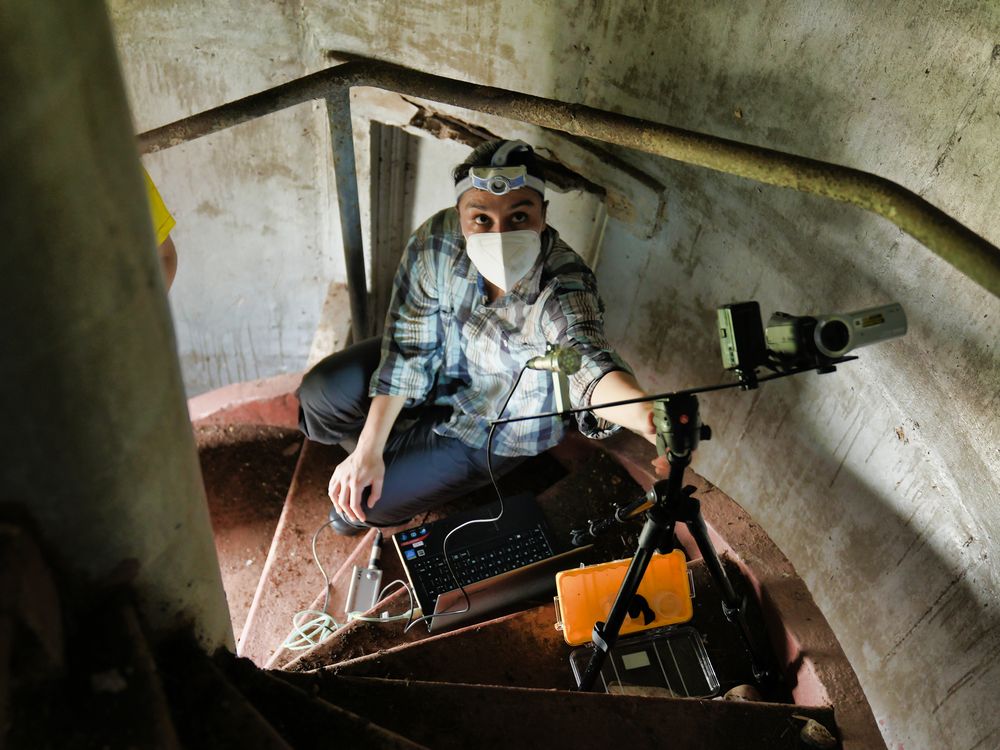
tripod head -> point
(678, 427)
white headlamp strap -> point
(498, 178)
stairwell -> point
(505, 682)
(80, 670)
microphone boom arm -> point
(670, 394)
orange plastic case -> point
(587, 594)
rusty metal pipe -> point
(954, 242)
(338, 110)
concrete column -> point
(95, 439)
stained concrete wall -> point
(879, 482)
(256, 233)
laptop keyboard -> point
(480, 561)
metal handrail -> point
(954, 242)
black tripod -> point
(678, 430)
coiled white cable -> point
(320, 626)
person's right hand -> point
(359, 470)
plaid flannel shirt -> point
(445, 344)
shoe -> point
(342, 526)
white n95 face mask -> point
(504, 258)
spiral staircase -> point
(81, 673)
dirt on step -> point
(247, 470)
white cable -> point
(385, 616)
(308, 633)
(312, 632)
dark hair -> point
(483, 153)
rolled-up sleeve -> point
(411, 350)
(575, 317)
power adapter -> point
(366, 583)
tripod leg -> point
(733, 606)
(606, 634)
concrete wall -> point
(256, 237)
(879, 482)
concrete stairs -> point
(505, 682)
(447, 715)
(469, 684)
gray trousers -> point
(422, 469)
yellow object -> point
(587, 594)
(163, 222)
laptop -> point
(536, 581)
(498, 563)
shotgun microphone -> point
(562, 359)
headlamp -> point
(498, 180)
